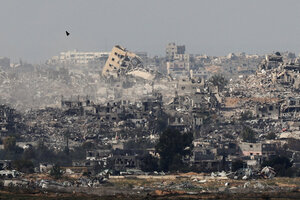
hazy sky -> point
(34, 30)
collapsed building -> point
(186, 102)
(267, 110)
(290, 108)
(287, 74)
(127, 67)
(271, 61)
(10, 121)
(120, 61)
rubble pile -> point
(244, 127)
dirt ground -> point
(177, 187)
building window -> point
(271, 108)
(251, 146)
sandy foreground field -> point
(184, 186)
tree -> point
(281, 164)
(237, 164)
(140, 143)
(63, 158)
(44, 154)
(218, 80)
(78, 153)
(162, 124)
(248, 135)
(88, 145)
(149, 163)
(172, 147)
(67, 136)
(247, 115)
(11, 151)
(29, 153)
(25, 166)
(293, 144)
(66, 150)
(56, 172)
(271, 136)
(9, 143)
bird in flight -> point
(67, 33)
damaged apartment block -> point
(120, 61)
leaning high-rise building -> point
(120, 61)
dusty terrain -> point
(169, 187)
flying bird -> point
(67, 33)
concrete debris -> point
(105, 112)
(268, 172)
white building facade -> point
(78, 57)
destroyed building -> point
(271, 61)
(178, 62)
(127, 104)
(174, 51)
(267, 110)
(290, 108)
(120, 61)
(10, 121)
(288, 75)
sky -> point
(34, 30)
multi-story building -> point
(271, 61)
(120, 60)
(172, 50)
(258, 149)
(78, 57)
(178, 69)
(178, 63)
